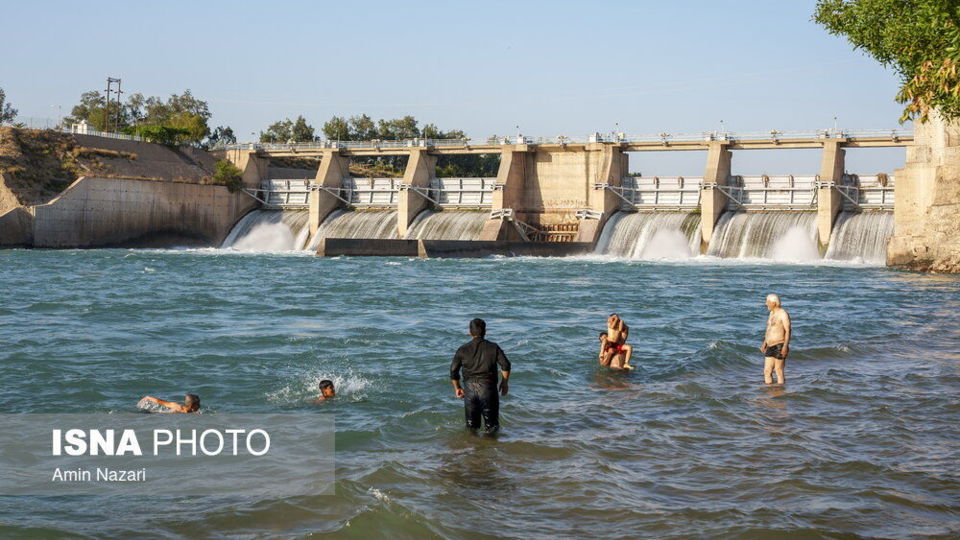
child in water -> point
(327, 391)
(610, 355)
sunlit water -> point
(863, 439)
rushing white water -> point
(861, 236)
(270, 230)
(651, 235)
(781, 236)
(375, 224)
(447, 225)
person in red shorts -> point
(615, 352)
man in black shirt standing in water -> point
(479, 359)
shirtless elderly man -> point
(776, 341)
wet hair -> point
(326, 383)
(478, 328)
(192, 401)
(603, 334)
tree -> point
(221, 135)
(336, 129)
(184, 116)
(302, 131)
(362, 128)
(920, 39)
(398, 129)
(91, 109)
(287, 130)
(7, 112)
(229, 175)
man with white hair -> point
(776, 342)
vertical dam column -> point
(333, 169)
(421, 167)
(509, 193)
(712, 200)
(614, 165)
(829, 200)
(253, 166)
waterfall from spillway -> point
(447, 225)
(651, 235)
(371, 224)
(861, 236)
(781, 236)
(269, 230)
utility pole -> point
(117, 125)
(106, 104)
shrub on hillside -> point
(229, 175)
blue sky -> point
(485, 67)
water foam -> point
(269, 231)
(304, 387)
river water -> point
(863, 439)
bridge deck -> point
(648, 143)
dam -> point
(560, 193)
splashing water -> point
(861, 236)
(270, 230)
(304, 388)
(786, 236)
(796, 245)
(447, 225)
(651, 235)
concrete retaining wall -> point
(335, 247)
(16, 228)
(96, 212)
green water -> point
(862, 441)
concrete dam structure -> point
(563, 193)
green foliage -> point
(468, 165)
(180, 112)
(920, 39)
(170, 136)
(229, 175)
(288, 130)
(364, 128)
(221, 135)
(7, 112)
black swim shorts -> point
(774, 351)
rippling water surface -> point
(863, 440)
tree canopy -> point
(920, 39)
(288, 130)
(7, 112)
(181, 118)
(363, 128)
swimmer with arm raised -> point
(191, 403)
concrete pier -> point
(829, 200)
(333, 169)
(421, 167)
(712, 200)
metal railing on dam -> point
(649, 142)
